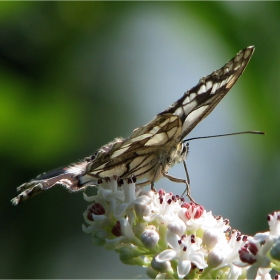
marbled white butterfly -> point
(151, 149)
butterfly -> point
(152, 149)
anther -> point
(120, 182)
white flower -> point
(196, 218)
(175, 239)
(163, 207)
(255, 255)
(256, 252)
(185, 250)
(228, 253)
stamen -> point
(120, 182)
(107, 179)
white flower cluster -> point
(175, 239)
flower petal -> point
(252, 271)
(172, 240)
(183, 268)
(166, 255)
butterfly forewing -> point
(151, 149)
(199, 101)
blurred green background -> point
(74, 75)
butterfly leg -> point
(179, 180)
(147, 183)
(152, 187)
(188, 184)
(154, 179)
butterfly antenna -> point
(227, 134)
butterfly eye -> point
(185, 149)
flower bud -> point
(215, 258)
(142, 210)
(160, 266)
(130, 255)
(99, 237)
(178, 227)
(210, 239)
(150, 238)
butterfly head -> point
(181, 153)
(184, 151)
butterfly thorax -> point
(175, 154)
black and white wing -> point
(199, 101)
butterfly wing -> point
(139, 154)
(199, 101)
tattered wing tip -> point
(16, 200)
(27, 193)
(24, 186)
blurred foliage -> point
(63, 96)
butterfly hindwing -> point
(138, 154)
